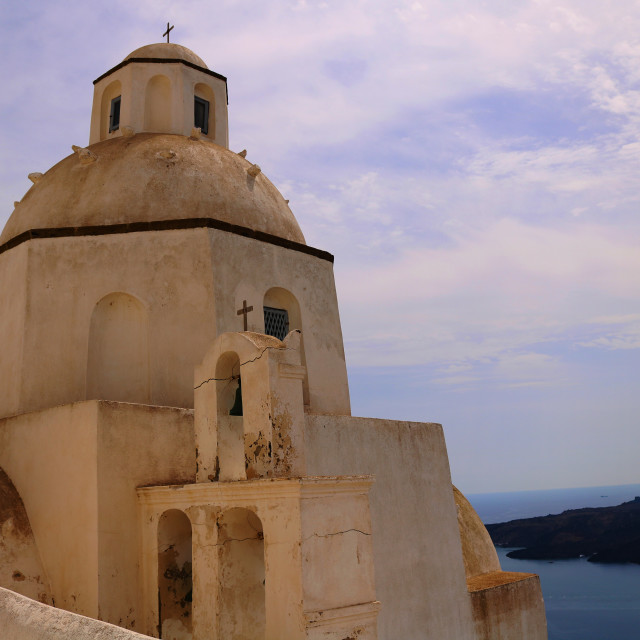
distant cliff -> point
(603, 534)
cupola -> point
(160, 88)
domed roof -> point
(167, 50)
(152, 177)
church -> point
(178, 457)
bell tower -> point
(160, 88)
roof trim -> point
(124, 63)
(164, 225)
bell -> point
(236, 410)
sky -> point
(473, 166)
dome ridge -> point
(153, 177)
(167, 51)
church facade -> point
(177, 452)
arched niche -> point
(157, 105)
(205, 92)
(241, 597)
(175, 583)
(118, 358)
(231, 462)
(281, 299)
(111, 91)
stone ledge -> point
(22, 618)
(495, 579)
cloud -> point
(473, 166)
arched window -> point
(231, 459)
(175, 583)
(282, 315)
(110, 97)
(242, 575)
(157, 105)
(204, 108)
(118, 358)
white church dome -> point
(152, 177)
(167, 51)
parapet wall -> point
(508, 606)
(24, 619)
(419, 566)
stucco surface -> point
(419, 568)
(51, 458)
(167, 50)
(13, 295)
(190, 284)
(153, 176)
(78, 487)
(24, 619)
(479, 554)
(169, 273)
(20, 566)
(508, 606)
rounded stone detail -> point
(167, 50)
(152, 177)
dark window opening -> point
(114, 116)
(276, 322)
(201, 114)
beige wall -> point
(145, 109)
(24, 619)
(190, 283)
(137, 446)
(169, 273)
(508, 606)
(247, 270)
(419, 569)
(51, 458)
(78, 483)
(20, 566)
(13, 295)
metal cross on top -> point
(244, 311)
(166, 33)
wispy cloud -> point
(473, 166)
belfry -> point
(177, 452)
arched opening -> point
(118, 358)
(157, 105)
(242, 575)
(111, 92)
(282, 315)
(207, 112)
(231, 464)
(175, 584)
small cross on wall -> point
(244, 311)
(166, 33)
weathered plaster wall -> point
(138, 445)
(13, 291)
(134, 79)
(51, 458)
(247, 270)
(20, 565)
(77, 468)
(508, 606)
(24, 619)
(169, 272)
(190, 282)
(419, 569)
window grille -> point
(201, 114)
(276, 322)
(114, 116)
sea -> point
(583, 600)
